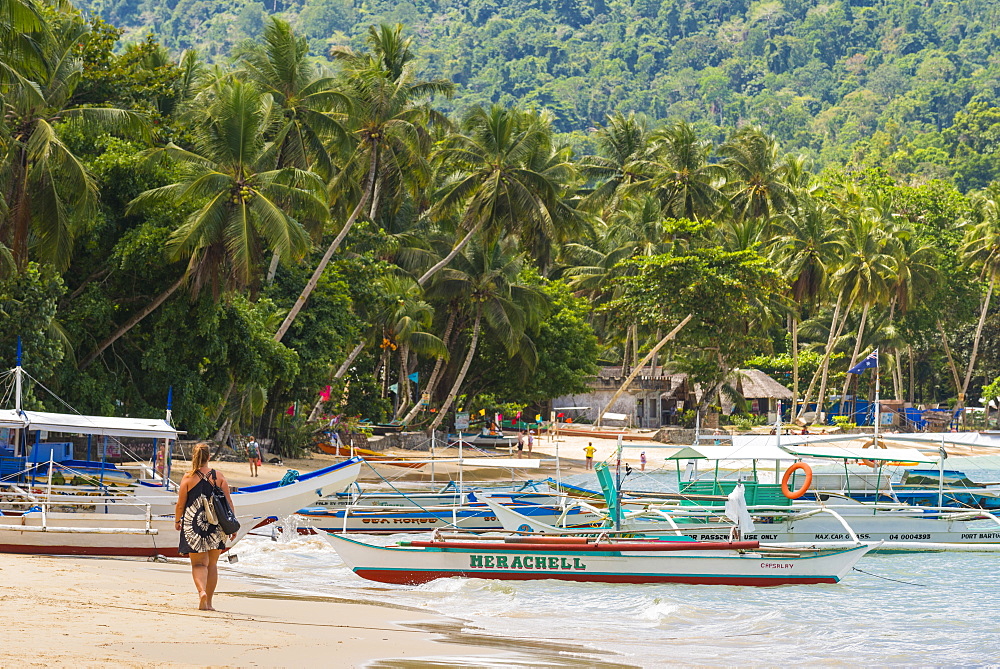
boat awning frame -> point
(143, 428)
(854, 453)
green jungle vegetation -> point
(252, 230)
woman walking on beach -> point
(201, 540)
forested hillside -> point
(907, 84)
(288, 241)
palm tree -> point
(808, 248)
(914, 273)
(486, 281)
(757, 186)
(981, 248)
(279, 65)
(402, 319)
(494, 189)
(242, 204)
(387, 127)
(48, 193)
(623, 144)
(865, 270)
(681, 176)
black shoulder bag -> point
(225, 515)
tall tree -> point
(48, 194)
(388, 117)
(486, 279)
(241, 204)
(981, 249)
(279, 64)
(756, 184)
(493, 189)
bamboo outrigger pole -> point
(635, 372)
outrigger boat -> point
(598, 560)
(97, 519)
(822, 519)
(473, 516)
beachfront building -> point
(658, 397)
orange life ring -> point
(795, 494)
(870, 463)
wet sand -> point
(92, 612)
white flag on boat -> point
(736, 510)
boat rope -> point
(413, 501)
(886, 578)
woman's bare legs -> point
(213, 576)
(199, 572)
(205, 571)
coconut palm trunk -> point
(821, 398)
(438, 369)
(334, 245)
(951, 360)
(975, 343)
(795, 364)
(403, 384)
(457, 385)
(441, 264)
(854, 355)
(132, 322)
(350, 360)
(819, 370)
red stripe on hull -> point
(417, 577)
(22, 549)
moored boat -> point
(602, 561)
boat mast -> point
(17, 378)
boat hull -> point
(413, 566)
(270, 499)
(95, 534)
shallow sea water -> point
(945, 613)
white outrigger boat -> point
(39, 531)
(131, 518)
(824, 519)
(598, 560)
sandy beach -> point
(93, 612)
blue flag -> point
(868, 363)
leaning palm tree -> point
(494, 189)
(486, 280)
(808, 247)
(866, 270)
(48, 194)
(387, 126)
(241, 204)
(981, 249)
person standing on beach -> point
(589, 452)
(202, 541)
(521, 438)
(253, 454)
(531, 440)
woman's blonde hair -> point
(199, 456)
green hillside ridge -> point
(903, 84)
(288, 242)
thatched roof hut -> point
(754, 384)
